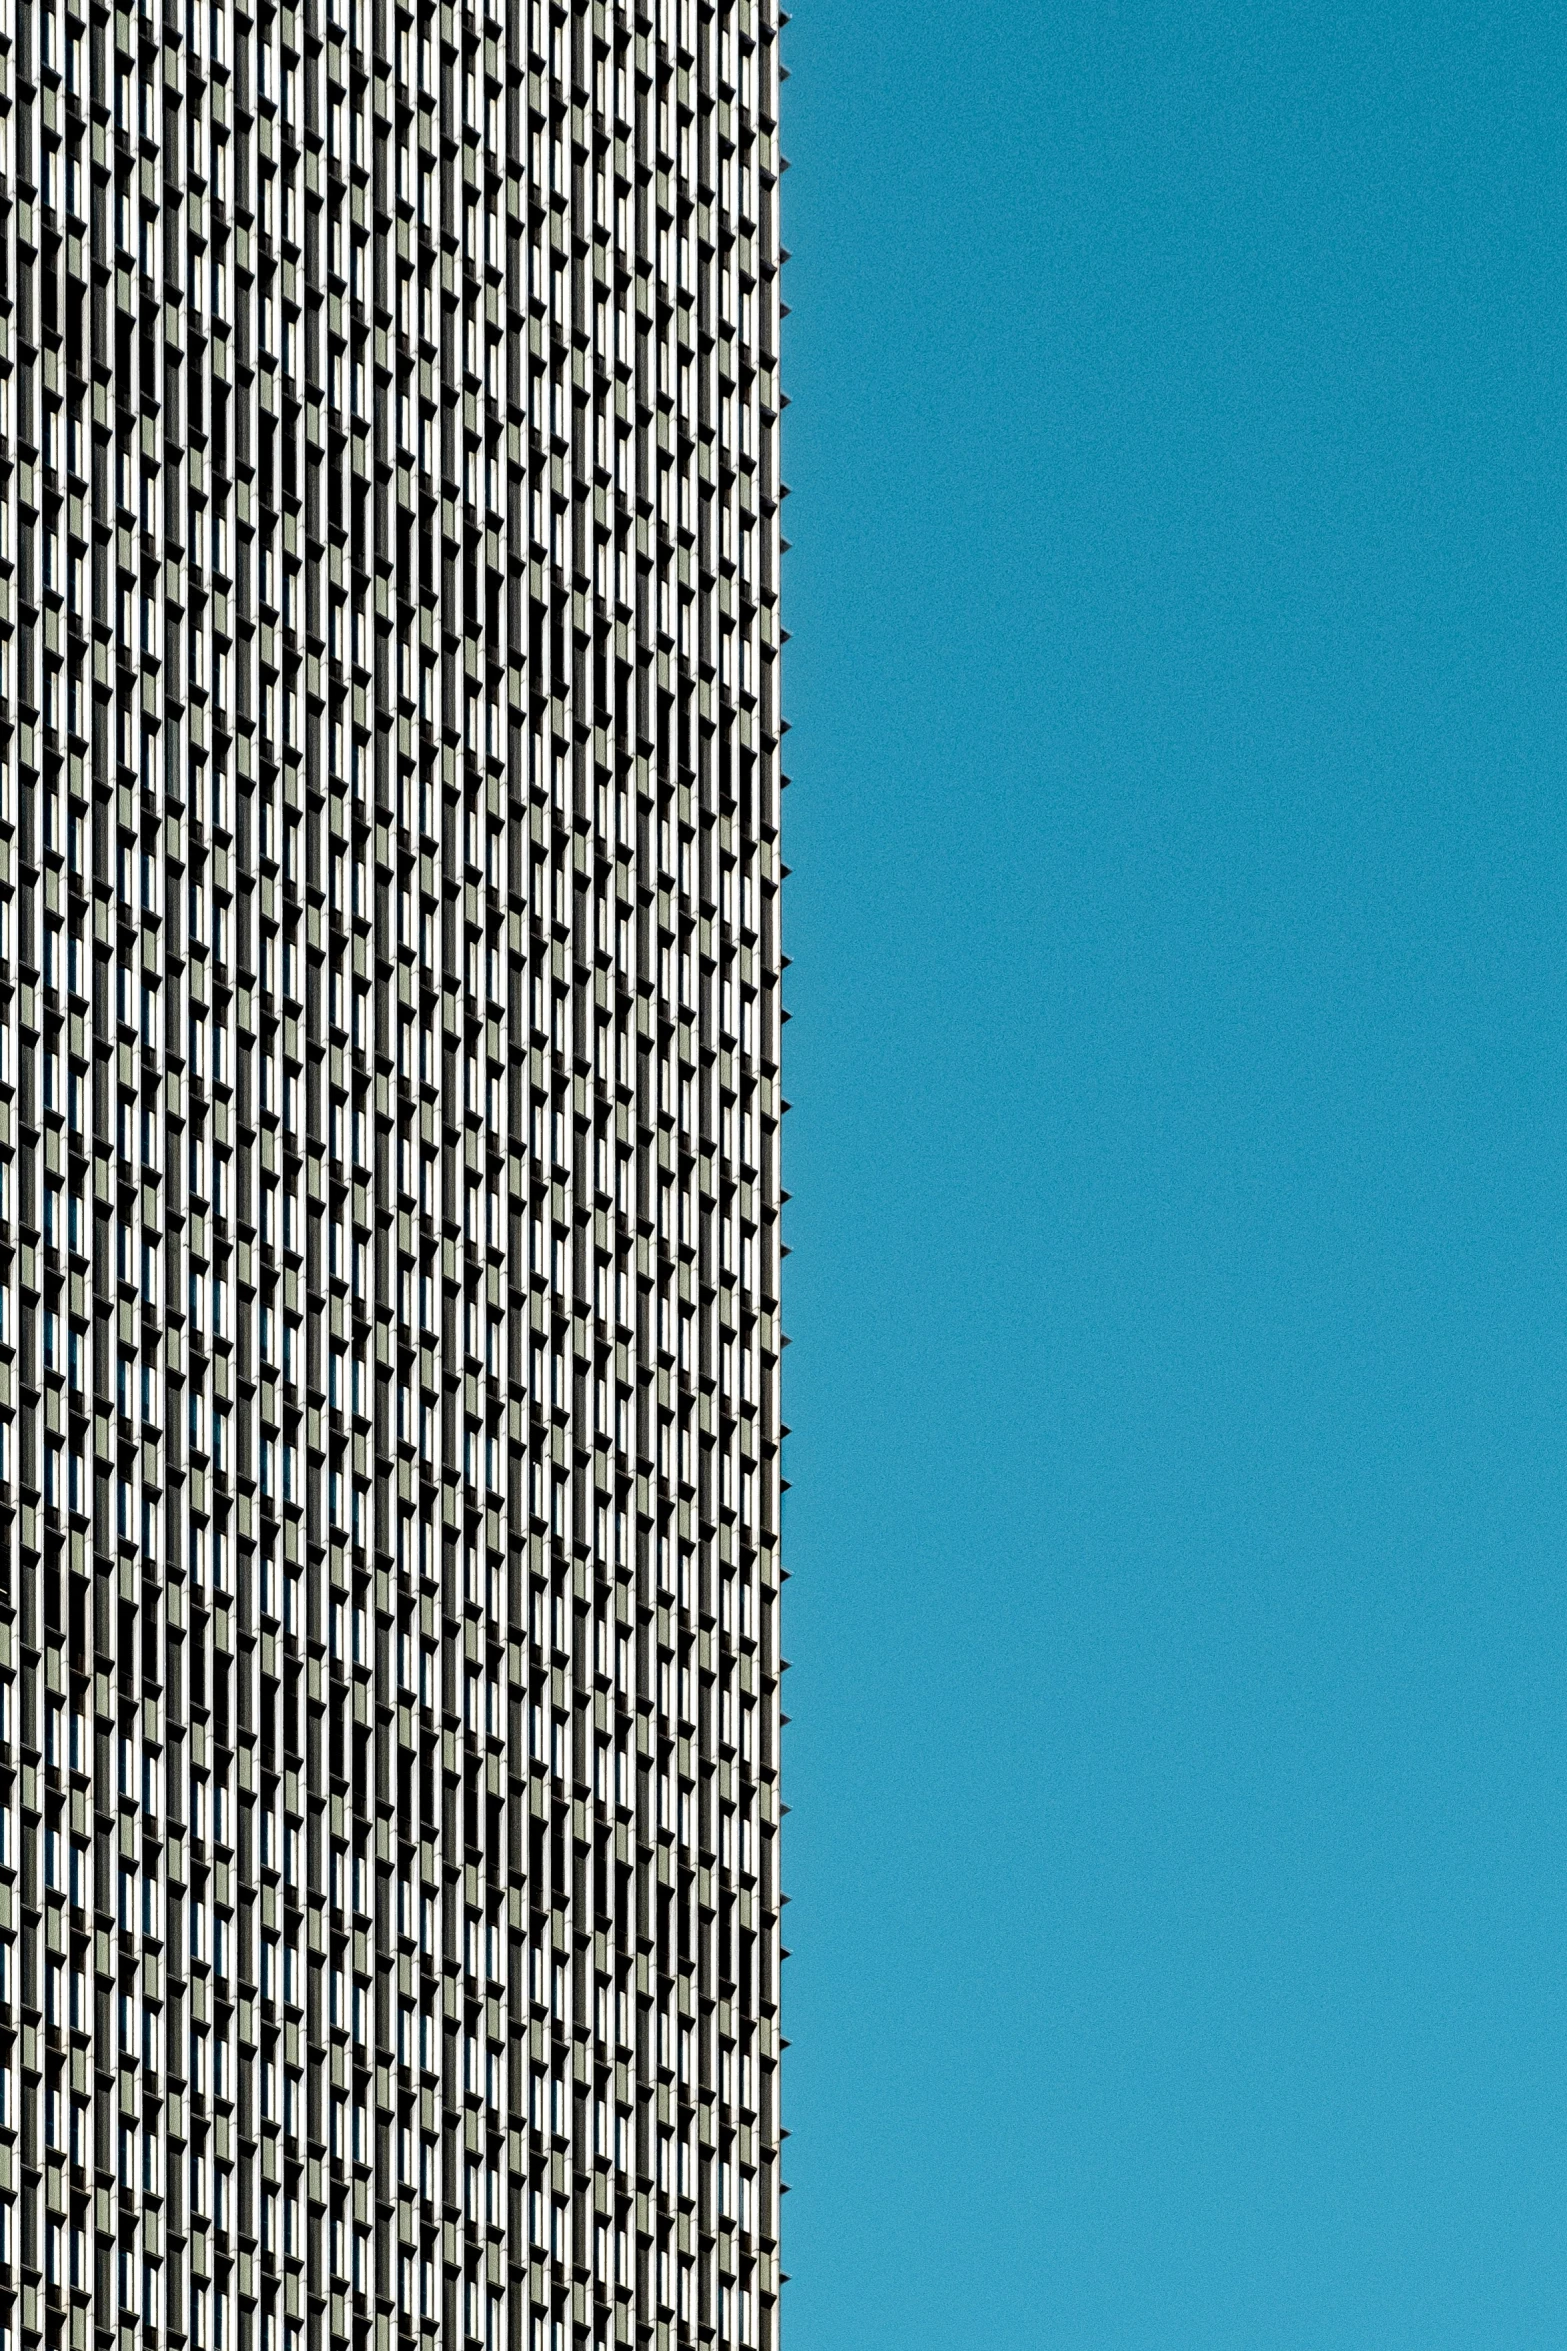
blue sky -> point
(1179, 1160)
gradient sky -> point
(1179, 1379)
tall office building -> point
(389, 1125)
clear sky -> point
(1179, 1379)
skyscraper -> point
(389, 1129)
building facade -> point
(389, 1174)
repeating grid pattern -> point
(389, 1143)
